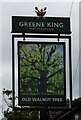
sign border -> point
(65, 107)
(40, 30)
(42, 103)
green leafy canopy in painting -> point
(41, 68)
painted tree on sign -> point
(41, 68)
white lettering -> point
(26, 99)
(54, 25)
(57, 99)
(41, 99)
(41, 24)
(49, 24)
(61, 25)
(21, 24)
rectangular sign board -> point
(47, 25)
(41, 73)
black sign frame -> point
(70, 67)
(36, 100)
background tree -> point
(41, 68)
(17, 114)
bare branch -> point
(52, 51)
(56, 73)
(32, 77)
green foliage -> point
(22, 115)
(41, 68)
(17, 114)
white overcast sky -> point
(25, 7)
